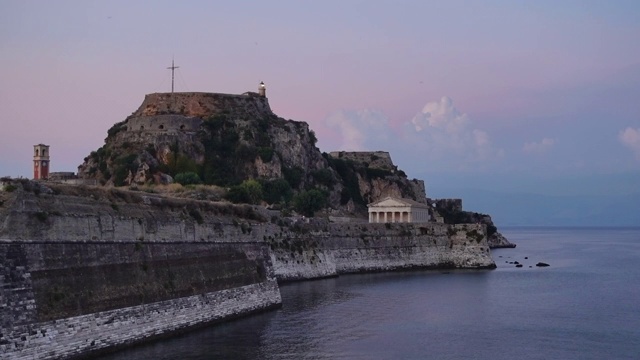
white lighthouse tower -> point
(262, 89)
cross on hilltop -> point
(173, 68)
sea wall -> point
(308, 252)
(85, 270)
(65, 299)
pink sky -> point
(558, 77)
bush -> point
(373, 173)
(124, 165)
(308, 202)
(312, 137)
(323, 177)
(276, 191)
(116, 128)
(10, 188)
(187, 178)
(249, 192)
(293, 176)
(196, 215)
(266, 154)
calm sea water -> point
(586, 305)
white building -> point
(392, 209)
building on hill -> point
(42, 169)
(396, 210)
(41, 162)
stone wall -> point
(203, 105)
(451, 205)
(81, 274)
(306, 252)
(374, 159)
(164, 123)
(66, 299)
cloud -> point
(443, 132)
(630, 138)
(440, 115)
(364, 129)
(439, 136)
(541, 147)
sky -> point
(537, 97)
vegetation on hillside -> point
(227, 153)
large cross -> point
(173, 68)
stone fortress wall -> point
(84, 274)
(203, 105)
(164, 123)
(185, 111)
(374, 159)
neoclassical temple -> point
(393, 210)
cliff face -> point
(227, 139)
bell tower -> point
(40, 162)
(262, 89)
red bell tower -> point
(40, 162)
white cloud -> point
(360, 129)
(440, 115)
(443, 132)
(439, 136)
(630, 138)
(541, 147)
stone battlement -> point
(204, 105)
(373, 159)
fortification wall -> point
(81, 274)
(164, 123)
(374, 159)
(451, 205)
(203, 105)
(68, 299)
(307, 252)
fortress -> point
(91, 269)
(184, 111)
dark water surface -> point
(586, 305)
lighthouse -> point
(40, 162)
(262, 89)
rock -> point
(142, 174)
(163, 179)
(541, 264)
(497, 240)
(519, 265)
(526, 257)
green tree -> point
(249, 192)
(308, 202)
(187, 178)
(276, 191)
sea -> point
(585, 305)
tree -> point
(249, 192)
(187, 178)
(308, 202)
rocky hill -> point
(236, 141)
